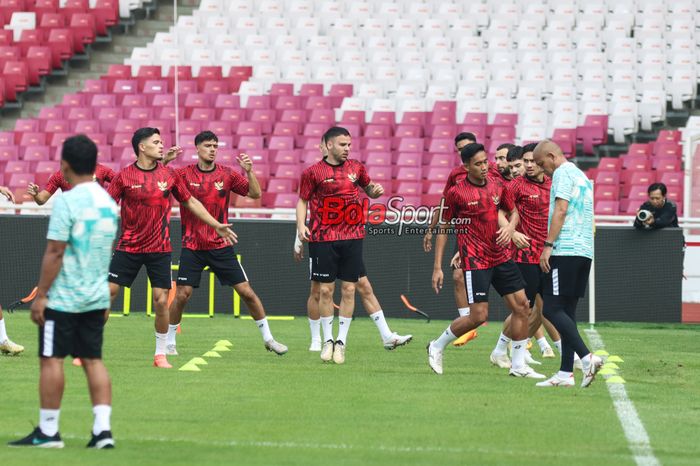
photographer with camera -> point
(657, 212)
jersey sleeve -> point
(116, 187)
(239, 183)
(307, 185)
(450, 205)
(54, 182)
(60, 223)
(109, 174)
(363, 177)
(508, 196)
(448, 184)
(179, 189)
(564, 187)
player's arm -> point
(173, 153)
(557, 222)
(254, 191)
(440, 242)
(196, 207)
(39, 196)
(50, 266)
(302, 230)
(374, 190)
(298, 249)
(8, 194)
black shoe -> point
(102, 440)
(38, 439)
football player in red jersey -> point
(391, 340)
(211, 184)
(335, 242)
(477, 209)
(144, 189)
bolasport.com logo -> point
(390, 218)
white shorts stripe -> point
(311, 263)
(555, 282)
(243, 270)
(470, 288)
(49, 326)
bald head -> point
(549, 156)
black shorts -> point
(76, 334)
(532, 274)
(125, 267)
(223, 262)
(342, 259)
(568, 276)
(505, 278)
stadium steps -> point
(101, 55)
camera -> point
(644, 215)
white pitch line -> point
(637, 437)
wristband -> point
(547, 244)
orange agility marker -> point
(29, 298)
(412, 308)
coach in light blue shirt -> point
(566, 259)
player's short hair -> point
(205, 136)
(141, 134)
(470, 150)
(334, 132)
(529, 147)
(463, 136)
(514, 153)
(657, 187)
(80, 153)
(507, 145)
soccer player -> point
(211, 184)
(391, 340)
(73, 296)
(477, 208)
(457, 175)
(529, 195)
(144, 189)
(516, 166)
(7, 346)
(500, 166)
(335, 244)
(566, 259)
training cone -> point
(224, 343)
(198, 361)
(212, 354)
(607, 371)
(616, 379)
(615, 359)
(190, 367)
(610, 365)
(601, 352)
(220, 348)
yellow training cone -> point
(615, 359)
(615, 379)
(224, 343)
(190, 367)
(212, 354)
(601, 352)
(607, 371)
(198, 361)
(220, 348)
(610, 365)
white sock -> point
(543, 343)
(327, 327)
(463, 311)
(161, 342)
(502, 345)
(445, 339)
(3, 331)
(382, 326)
(48, 421)
(518, 353)
(557, 345)
(576, 358)
(564, 375)
(315, 327)
(172, 334)
(102, 414)
(343, 327)
(264, 329)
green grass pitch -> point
(251, 407)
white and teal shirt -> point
(86, 218)
(576, 236)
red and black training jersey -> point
(212, 189)
(496, 173)
(532, 201)
(102, 175)
(456, 176)
(145, 207)
(475, 213)
(330, 191)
